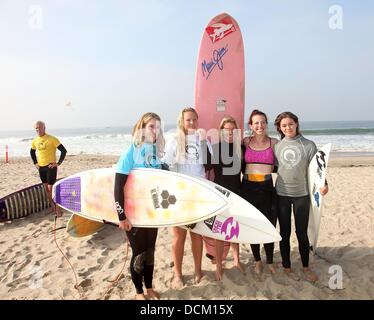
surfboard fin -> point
(79, 226)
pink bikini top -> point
(259, 156)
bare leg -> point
(48, 189)
(55, 206)
(179, 238)
(197, 251)
(237, 263)
(219, 253)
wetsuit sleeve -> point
(119, 194)
(312, 151)
(164, 166)
(276, 162)
(63, 153)
(243, 158)
(33, 155)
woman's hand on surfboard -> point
(324, 189)
(125, 225)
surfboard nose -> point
(67, 193)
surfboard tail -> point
(79, 226)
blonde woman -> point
(145, 152)
(226, 162)
(184, 154)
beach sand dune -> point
(32, 267)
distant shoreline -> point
(346, 158)
(337, 154)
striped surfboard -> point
(24, 202)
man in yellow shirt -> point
(45, 145)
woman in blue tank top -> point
(144, 152)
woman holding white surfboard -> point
(184, 154)
(257, 183)
(294, 153)
(145, 152)
(226, 161)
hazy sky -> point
(115, 60)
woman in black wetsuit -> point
(226, 162)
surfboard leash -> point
(115, 281)
(76, 286)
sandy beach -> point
(32, 267)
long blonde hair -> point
(181, 134)
(237, 139)
(138, 132)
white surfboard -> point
(153, 198)
(316, 179)
(240, 223)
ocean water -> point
(346, 137)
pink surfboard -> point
(219, 83)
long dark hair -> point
(285, 115)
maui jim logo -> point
(215, 61)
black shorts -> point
(48, 175)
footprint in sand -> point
(105, 252)
(114, 263)
(101, 261)
(85, 283)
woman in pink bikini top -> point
(257, 184)
(259, 149)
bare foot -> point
(310, 275)
(240, 267)
(219, 272)
(271, 268)
(177, 283)
(140, 296)
(291, 274)
(152, 294)
(198, 277)
(258, 267)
